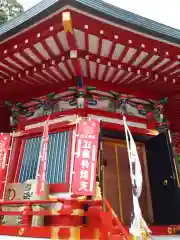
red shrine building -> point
(69, 71)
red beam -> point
(25, 92)
(134, 89)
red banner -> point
(5, 140)
(43, 159)
(85, 159)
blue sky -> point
(163, 11)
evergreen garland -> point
(83, 96)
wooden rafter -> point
(130, 62)
(38, 67)
(86, 40)
(110, 54)
(29, 42)
(165, 66)
(124, 66)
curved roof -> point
(99, 8)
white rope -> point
(135, 199)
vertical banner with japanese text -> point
(41, 176)
(5, 140)
(85, 158)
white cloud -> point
(163, 11)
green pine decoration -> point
(152, 109)
(164, 101)
(90, 88)
(21, 109)
(143, 112)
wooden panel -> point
(117, 178)
(110, 177)
(126, 189)
(125, 182)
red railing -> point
(68, 205)
(118, 222)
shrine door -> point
(117, 183)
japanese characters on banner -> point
(85, 158)
(43, 160)
(5, 140)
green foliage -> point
(3, 16)
(9, 9)
(178, 160)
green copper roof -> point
(96, 7)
